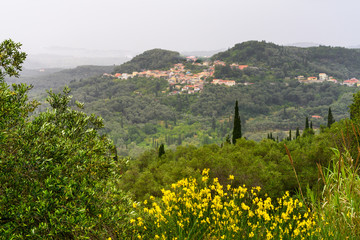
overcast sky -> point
(185, 25)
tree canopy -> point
(55, 168)
(151, 59)
(285, 61)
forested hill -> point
(289, 61)
(151, 59)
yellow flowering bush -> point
(207, 210)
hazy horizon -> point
(199, 25)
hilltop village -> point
(184, 81)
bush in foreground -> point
(205, 210)
(58, 175)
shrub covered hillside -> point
(151, 59)
(285, 61)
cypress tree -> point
(161, 150)
(237, 124)
(307, 123)
(331, 119)
(289, 138)
(297, 133)
(311, 125)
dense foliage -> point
(56, 171)
(337, 204)
(265, 164)
(274, 61)
(151, 59)
(140, 110)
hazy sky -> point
(182, 25)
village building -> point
(191, 58)
(224, 82)
(333, 80)
(351, 82)
(312, 79)
(221, 63)
(242, 67)
(323, 77)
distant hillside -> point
(36, 61)
(52, 78)
(290, 61)
(151, 59)
(64, 57)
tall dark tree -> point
(289, 138)
(307, 123)
(270, 136)
(311, 127)
(237, 124)
(297, 133)
(161, 150)
(331, 119)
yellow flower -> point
(205, 171)
(251, 213)
(140, 221)
(204, 178)
(186, 199)
(269, 235)
(99, 215)
(243, 206)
